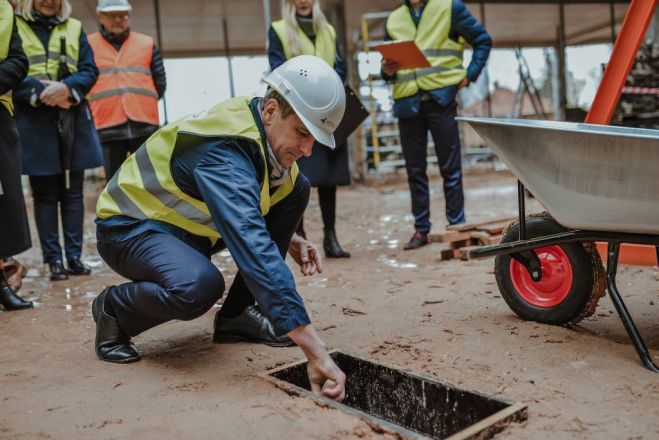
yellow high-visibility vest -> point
(44, 64)
(324, 47)
(6, 28)
(432, 37)
(144, 187)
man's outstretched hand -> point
(306, 255)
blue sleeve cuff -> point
(284, 325)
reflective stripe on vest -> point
(45, 64)
(144, 188)
(324, 46)
(124, 89)
(431, 36)
(6, 29)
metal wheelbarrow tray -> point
(598, 183)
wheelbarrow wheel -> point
(573, 278)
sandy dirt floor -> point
(408, 309)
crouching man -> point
(224, 178)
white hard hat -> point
(113, 6)
(314, 91)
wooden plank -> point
(448, 237)
(464, 252)
(494, 228)
(461, 227)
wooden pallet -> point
(458, 240)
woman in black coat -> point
(14, 229)
(41, 101)
(304, 30)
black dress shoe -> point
(9, 300)
(111, 344)
(417, 240)
(76, 267)
(249, 326)
(332, 247)
(57, 271)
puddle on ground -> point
(391, 262)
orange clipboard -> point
(407, 53)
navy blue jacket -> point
(37, 123)
(464, 25)
(277, 57)
(227, 176)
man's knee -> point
(200, 294)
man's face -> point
(47, 8)
(114, 22)
(288, 137)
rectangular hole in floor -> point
(416, 403)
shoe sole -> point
(234, 339)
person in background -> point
(131, 80)
(14, 227)
(304, 30)
(424, 99)
(57, 132)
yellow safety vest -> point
(431, 36)
(324, 47)
(6, 28)
(144, 188)
(44, 63)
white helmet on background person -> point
(315, 93)
(113, 6)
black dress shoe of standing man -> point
(57, 271)
(76, 267)
(249, 326)
(418, 240)
(111, 344)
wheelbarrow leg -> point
(625, 317)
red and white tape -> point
(641, 90)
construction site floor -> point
(404, 308)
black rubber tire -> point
(574, 306)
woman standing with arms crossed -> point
(54, 42)
(304, 30)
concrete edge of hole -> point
(486, 428)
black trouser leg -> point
(281, 222)
(327, 201)
(45, 191)
(171, 280)
(116, 152)
(73, 215)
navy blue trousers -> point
(50, 196)
(443, 127)
(171, 279)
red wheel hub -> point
(556, 280)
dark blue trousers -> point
(171, 279)
(50, 196)
(441, 123)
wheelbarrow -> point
(598, 184)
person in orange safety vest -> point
(131, 80)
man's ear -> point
(269, 108)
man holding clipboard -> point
(424, 96)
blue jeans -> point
(50, 196)
(441, 123)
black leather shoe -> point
(57, 271)
(249, 326)
(332, 247)
(76, 267)
(9, 300)
(417, 240)
(111, 344)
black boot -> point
(249, 326)
(57, 271)
(77, 267)
(332, 247)
(111, 344)
(8, 298)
